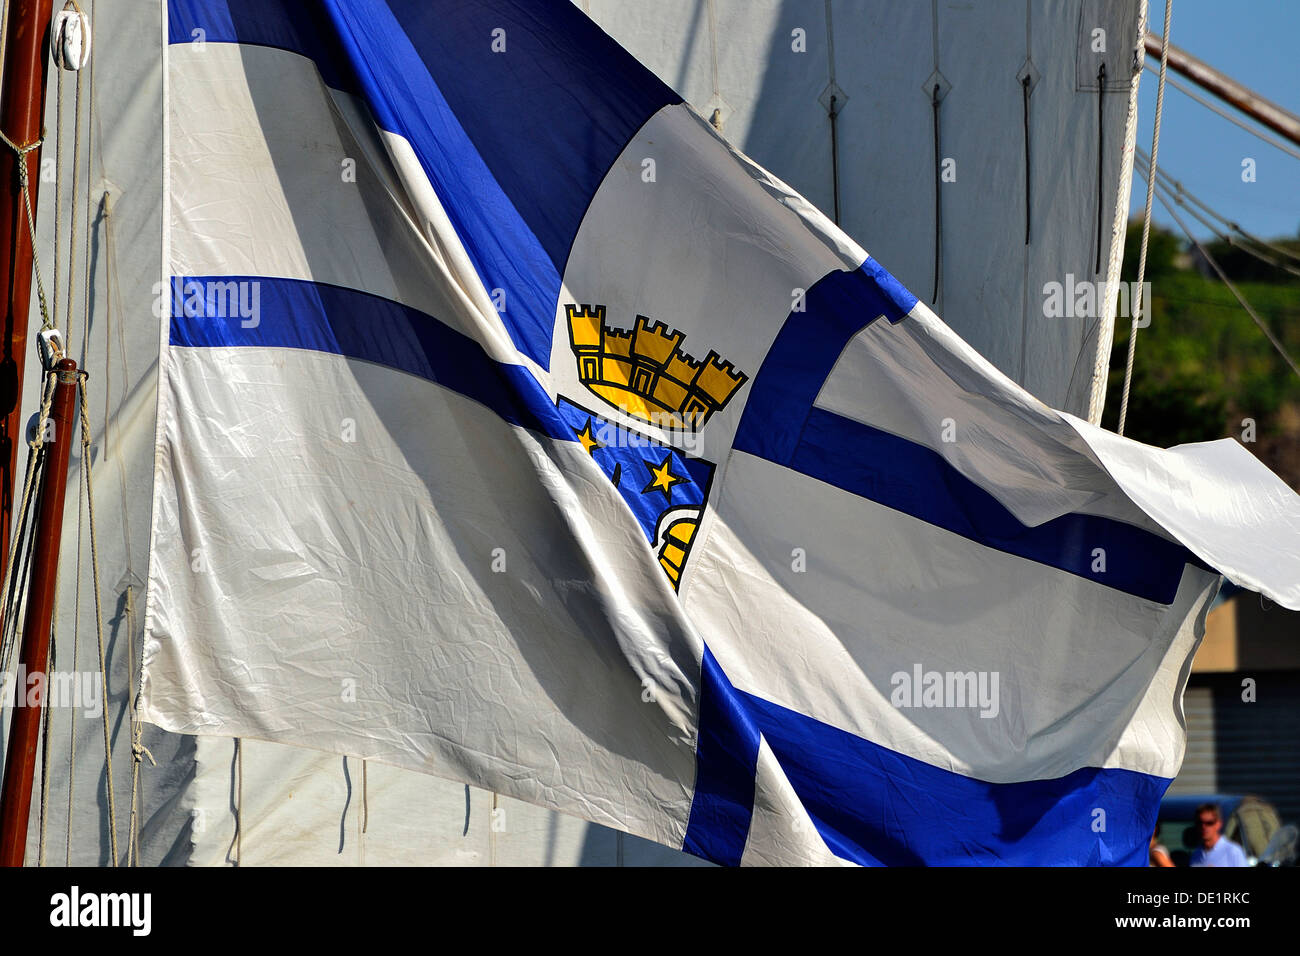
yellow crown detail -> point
(644, 372)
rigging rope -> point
(82, 490)
(8, 604)
(1268, 333)
(1146, 219)
(45, 754)
(90, 171)
(1235, 120)
(1178, 192)
(72, 214)
(99, 613)
(76, 647)
(1179, 197)
(58, 192)
(139, 752)
(23, 186)
(1177, 185)
(21, 547)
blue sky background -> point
(1257, 43)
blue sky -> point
(1255, 42)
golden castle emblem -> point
(644, 372)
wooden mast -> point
(22, 107)
(21, 758)
(1229, 90)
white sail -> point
(765, 71)
(299, 807)
(303, 807)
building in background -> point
(1242, 705)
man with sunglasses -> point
(1215, 849)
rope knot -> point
(140, 751)
(22, 152)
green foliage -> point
(1168, 410)
(1162, 249)
(1241, 266)
(1202, 365)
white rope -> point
(72, 215)
(99, 615)
(82, 490)
(58, 194)
(90, 174)
(138, 752)
(76, 647)
(1146, 220)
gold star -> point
(587, 439)
(663, 479)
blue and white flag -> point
(515, 428)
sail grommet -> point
(70, 37)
